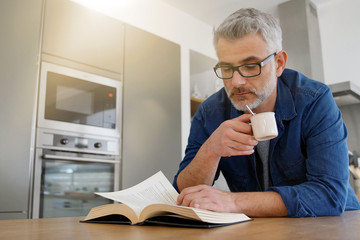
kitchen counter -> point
(345, 226)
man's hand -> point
(206, 197)
(232, 137)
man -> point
(301, 172)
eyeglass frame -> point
(237, 68)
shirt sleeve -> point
(326, 187)
(197, 137)
(199, 133)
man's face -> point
(244, 91)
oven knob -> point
(64, 141)
(98, 145)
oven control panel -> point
(70, 142)
(79, 143)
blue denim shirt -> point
(308, 160)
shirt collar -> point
(285, 106)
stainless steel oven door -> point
(65, 182)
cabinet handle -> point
(79, 159)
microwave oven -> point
(77, 101)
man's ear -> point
(280, 59)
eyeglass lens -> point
(247, 70)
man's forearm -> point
(260, 204)
(201, 170)
(232, 138)
(253, 204)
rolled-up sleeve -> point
(324, 136)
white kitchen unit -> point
(20, 22)
(78, 37)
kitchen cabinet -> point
(77, 37)
(20, 22)
(82, 38)
(152, 106)
(149, 67)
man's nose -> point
(237, 80)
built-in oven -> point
(77, 149)
(69, 169)
(78, 101)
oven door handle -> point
(81, 159)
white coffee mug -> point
(264, 126)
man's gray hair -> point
(250, 20)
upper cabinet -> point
(78, 34)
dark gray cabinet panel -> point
(20, 22)
(152, 106)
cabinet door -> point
(20, 23)
(74, 32)
(152, 106)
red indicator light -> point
(110, 95)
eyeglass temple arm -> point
(268, 59)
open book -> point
(153, 201)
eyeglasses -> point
(246, 70)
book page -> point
(155, 189)
(220, 217)
(193, 213)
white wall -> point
(170, 23)
(339, 24)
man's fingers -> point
(232, 137)
(206, 197)
(192, 199)
(233, 152)
(244, 118)
(188, 191)
(238, 126)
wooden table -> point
(346, 227)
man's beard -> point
(240, 102)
